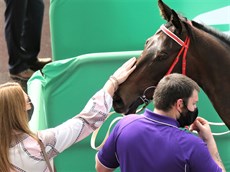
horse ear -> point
(176, 21)
(170, 15)
(165, 11)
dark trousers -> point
(23, 27)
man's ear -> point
(179, 103)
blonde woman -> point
(19, 146)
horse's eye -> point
(147, 41)
(162, 56)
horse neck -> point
(208, 58)
(210, 68)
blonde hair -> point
(13, 119)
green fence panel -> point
(88, 26)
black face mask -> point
(187, 117)
(30, 111)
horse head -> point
(161, 56)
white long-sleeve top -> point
(26, 155)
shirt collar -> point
(161, 118)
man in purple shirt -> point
(154, 141)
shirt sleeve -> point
(107, 155)
(80, 126)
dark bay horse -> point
(180, 46)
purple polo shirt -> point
(154, 143)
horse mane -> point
(223, 37)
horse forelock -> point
(210, 30)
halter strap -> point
(185, 46)
(172, 35)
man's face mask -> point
(187, 117)
(30, 111)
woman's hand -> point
(120, 75)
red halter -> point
(185, 46)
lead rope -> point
(218, 124)
(95, 133)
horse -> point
(180, 46)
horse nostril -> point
(118, 104)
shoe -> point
(40, 63)
(24, 75)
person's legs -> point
(23, 29)
(31, 33)
(14, 19)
